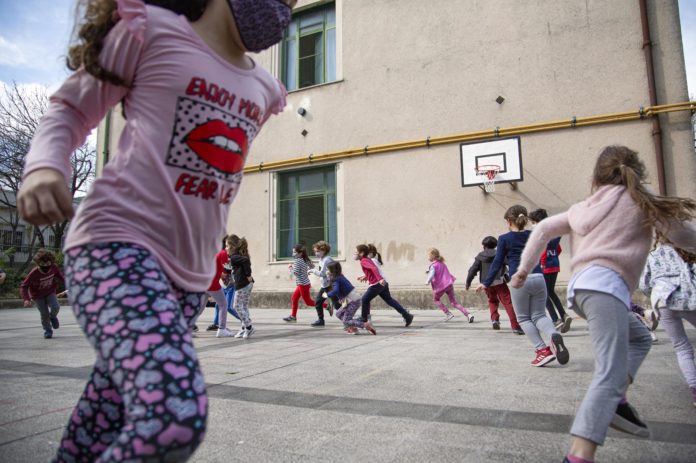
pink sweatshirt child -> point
(606, 229)
(191, 119)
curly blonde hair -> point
(94, 20)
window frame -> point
(326, 192)
(324, 7)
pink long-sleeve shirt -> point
(370, 270)
(191, 118)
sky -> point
(34, 35)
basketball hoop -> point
(488, 173)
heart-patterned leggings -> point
(146, 397)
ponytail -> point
(619, 165)
(517, 215)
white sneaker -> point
(471, 318)
(653, 336)
(249, 332)
(240, 334)
(449, 316)
(224, 333)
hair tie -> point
(521, 215)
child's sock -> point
(574, 459)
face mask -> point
(45, 268)
(261, 23)
(356, 256)
(319, 254)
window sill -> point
(290, 92)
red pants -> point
(301, 291)
(501, 294)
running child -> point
(551, 266)
(215, 290)
(442, 282)
(529, 300)
(243, 282)
(343, 290)
(227, 285)
(300, 269)
(321, 250)
(498, 292)
(378, 286)
(40, 286)
(138, 251)
(610, 237)
(669, 278)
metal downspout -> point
(656, 129)
(107, 139)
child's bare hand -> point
(27, 303)
(362, 279)
(44, 198)
(518, 279)
(480, 288)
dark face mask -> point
(45, 268)
(261, 23)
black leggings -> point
(319, 299)
(383, 292)
(552, 299)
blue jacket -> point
(341, 288)
(510, 246)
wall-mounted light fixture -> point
(500, 99)
(301, 111)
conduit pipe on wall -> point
(656, 129)
(642, 113)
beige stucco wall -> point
(409, 69)
(411, 72)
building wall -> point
(410, 69)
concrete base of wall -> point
(411, 298)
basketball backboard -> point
(503, 152)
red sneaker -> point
(543, 356)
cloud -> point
(11, 54)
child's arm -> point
(473, 270)
(431, 274)
(544, 232)
(645, 283)
(24, 289)
(74, 110)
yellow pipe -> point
(648, 111)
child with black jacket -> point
(498, 292)
(243, 282)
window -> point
(306, 211)
(7, 238)
(309, 48)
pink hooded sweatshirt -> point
(606, 229)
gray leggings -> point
(620, 343)
(529, 303)
(45, 304)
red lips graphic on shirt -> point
(223, 147)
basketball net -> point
(488, 175)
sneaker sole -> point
(290, 321)
(496, 326)
(623, 425)
(559, 349)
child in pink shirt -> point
(610, 236)
(138, 251)
(442, 282)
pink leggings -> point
(437, 295)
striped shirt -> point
(299, 269)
